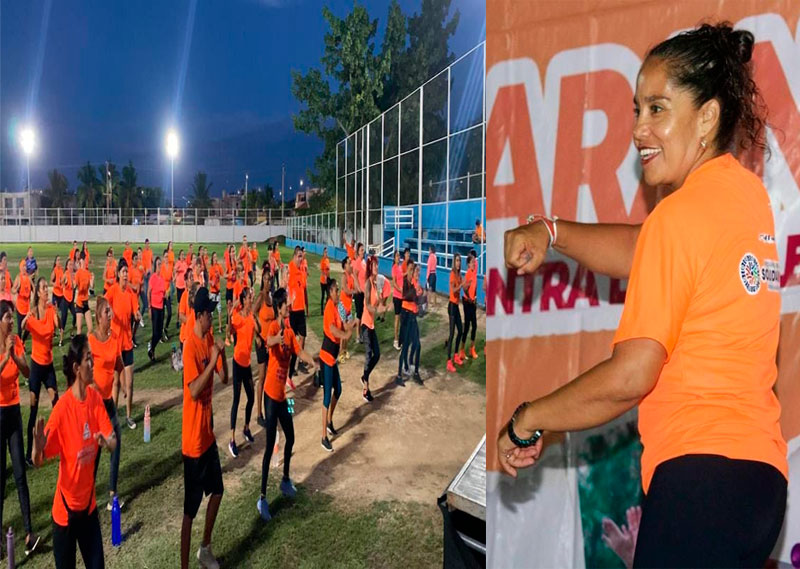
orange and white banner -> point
(559, 89)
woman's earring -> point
(703, 143)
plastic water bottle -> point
(116, 534)
(147, 424)
(290, 405)
(10, 547)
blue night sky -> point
(101, 80)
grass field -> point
(315, 530)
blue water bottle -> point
(10, 547)
(147, 424)
(116, 534)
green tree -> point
(200, 196)
(351, 66)
(129, 194)
(90, 188)
(152, 197)
(56, 193)
(393, 52)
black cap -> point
(202, 303)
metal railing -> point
(143, 216)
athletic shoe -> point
(462, 355)
(346, 355)
(396, 345)
(32, 544)
(131, 423)
(473, 354)
(165, 337)
(233, 449)
(151, 356)
(29, 462)
(111, 503)
(399, 381)
(331, 431)
(450, 367)
(367, 395)
(60, 343)
(287, 488)
(417, 378)
(141, 324)
(326, 444)
(206, 558)
(263, 509)
(135, 345)
(248, 436)
(457, 359)
(261, 422)
(341, 358)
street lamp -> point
(246, 178)
(27, 140)
(172, 152)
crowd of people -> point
(138, 291)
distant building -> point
(15, 207)
(228, 201)
(301, 199)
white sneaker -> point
(206, 558)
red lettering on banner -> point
(789, 278)
(615, 293)
(583, 290)
(527, 293)
(499, 289)
(610, 92)
(783, 111)
(510, 122)
(550, 290)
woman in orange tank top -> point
(454, 314)
(266, 314)
(22, 289)
(372, 309)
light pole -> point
(283, 177)
(246, 178)
(172, 152)
(27, 140)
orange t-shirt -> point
(279, 358)
(9, 377)
(171, 258)
(455, 284)
(180, 274)
(70, 435)
(58, 288)
(366, 318)
(110, 273)
(266, 314)
(135, 278)
(147, 260)
(105, 356)
(188, 325)
(24, 295)
(711, 297)
(127, 254)
(331, 316)
(82, 280)
(244, 327)
(347, 299)
(230, 274)
(166, 274)
(297, 287)
(123, 305)
(254, 257)
(197, 434)
(471, 279)
(238, 287)
(42, 334)
(8, 281)
(277, 256)
(69, 286)
(324, 270)
(244, 256)
(214, 277)
(351, 253)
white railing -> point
(143, 216)
(398, 217)
(387, 247)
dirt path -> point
(405, 445)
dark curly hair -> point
(713, 62)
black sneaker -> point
(331, 431)
(151, 356)
(31, 544)
(399, 381)
(367, 395)
(165, 336)
(417, 378)
(248, 436)
(233, 449)
(261, 422)
(317, 382)
(326, 444)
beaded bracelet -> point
(522, 443)
(549, 223)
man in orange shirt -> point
(202, 474)
(297, 298)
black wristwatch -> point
(522, 443)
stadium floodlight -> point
(172, 152)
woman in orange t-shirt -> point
(166, 274)
(265, 314)
(12, 364)
(468, 299)
(214, 274)
(55, 281)
(104, 345)
(77, 429)
(324, 276)
(373, 308)
(696, 346)
(245, 326)
(41, 322)
(68, 288)
(84, 281)
(23, 288)
(454, 314)
(110, 272)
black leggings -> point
(23, 334)
(706, 510)
(372, 351)
(111, 409)
(11, 438)
(323, 288)
(276, 411)
(178, 321)
(410, 339)
(84, 534)
(455, 324)
(64, 307)
(168, 310)
(242, 375)
(158, 327)
(470, 317)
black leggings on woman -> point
(158, 327)
(23, 334)
(242, 375)
(705, 510)
(113, 474)
(11, 439)
(411, 346)
(83, 533)
(323, 288)
(168, 311)
(64, 307)
(276, 411)
(372, 350)
(470, 317)
(455, 324)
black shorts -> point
(228, 295)
(202, 475)
(82, 307)
(432, 282)
(297, 320)
(398, 306)
(127, 358)
(57, 298)
(261, 352)
(42, 375)
(359, 302)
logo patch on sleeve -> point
(750, 273)
(766, 238)
(771, 274)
